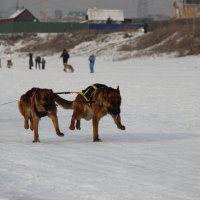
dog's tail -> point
(63, 102)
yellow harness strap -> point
(88, 93)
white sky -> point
(130, 7)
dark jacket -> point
(30, 59)
(65, 56)
(92, 59)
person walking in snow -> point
(37, 62)
(43, 63)
(65, 56)
(92, 59)
(30, 60)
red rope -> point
(66, 92)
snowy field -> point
(156, 157)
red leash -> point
(66, 92)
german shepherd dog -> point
(37, 103)
(68, 67)
(95, 102)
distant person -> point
(43, 63)
(145, 27)
(109, 21)
(37, 62)
(30, 60)
(9, 60)
(65, 56)
(91, 62)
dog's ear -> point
(53, 95)
(52, 92)
(118, 91)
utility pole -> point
(17, 4)
(44, 9)
(142, 8)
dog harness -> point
(88, 93)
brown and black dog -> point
(95, 102)
(68, 67)
(37, 103)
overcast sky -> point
(132, 8)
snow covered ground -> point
(156, 157)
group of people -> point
(65, 55)
(38, 61)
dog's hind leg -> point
(78, 124)
(31, 123)
(75, 122)
(117, 120)
(54, 119)
(72, 124)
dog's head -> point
(112, 100)
(45, 99)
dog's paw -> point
(61, 134)
(38, 141)
(78, 127)
(26, 126)
(96, 140)
(72, 127)
(122, 127)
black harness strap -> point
(88, 93)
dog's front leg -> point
(26, 124)
(54, 119)
(95, 123)
(73, 121)
(35, 128)
(117, 120)
(31, 123)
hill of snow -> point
(77, 43)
